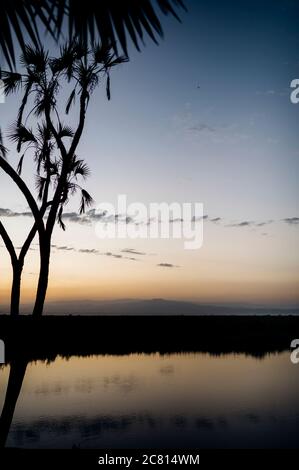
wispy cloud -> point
(63, 248)
(92, 251)
(201, 128)
(177, 219)
(250, 223)
(197, 219)
(112, 255)
(266, 222)
(92, 216)
(244, 223)
(291, 220)
(9, 213)
(74, 217)
(168, 265)
(118, 256)
(132, 251)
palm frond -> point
(81, 169)
(46, 99)
(44, 133)
(70, 53)
(20, 164)
(119, 60)
(103, 53)
(112, 20)
(86, 201)
(12, 81)
(36, 57)
(65, 131)
(21, 135)
(28, 87)
(20, 17)
(82, 73)
(116, 20)
(40, 182)
(38, 158)
(59, 218)
(70, 101)
(71, 189)
(94, 80)
(166, 7)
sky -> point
(204, 117)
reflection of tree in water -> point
(15, 381)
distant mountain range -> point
(153, 307)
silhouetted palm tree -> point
(112, 20)
(18, 261)
(52, 144)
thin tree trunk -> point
(24, 189)
(16, 290)
(14, 263)
(15, 294)
(43, 279)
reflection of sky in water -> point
(178, 400)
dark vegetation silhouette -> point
(51, 143)
(26, 337)
(109, 20)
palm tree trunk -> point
(16, 290)
(42, 287)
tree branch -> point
(58, 139)
(26, 192)
(65, 157)
(78, 133)
(33, 230)
(8, 243)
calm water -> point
(177, 400)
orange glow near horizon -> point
(209, 292)
(222, 271)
